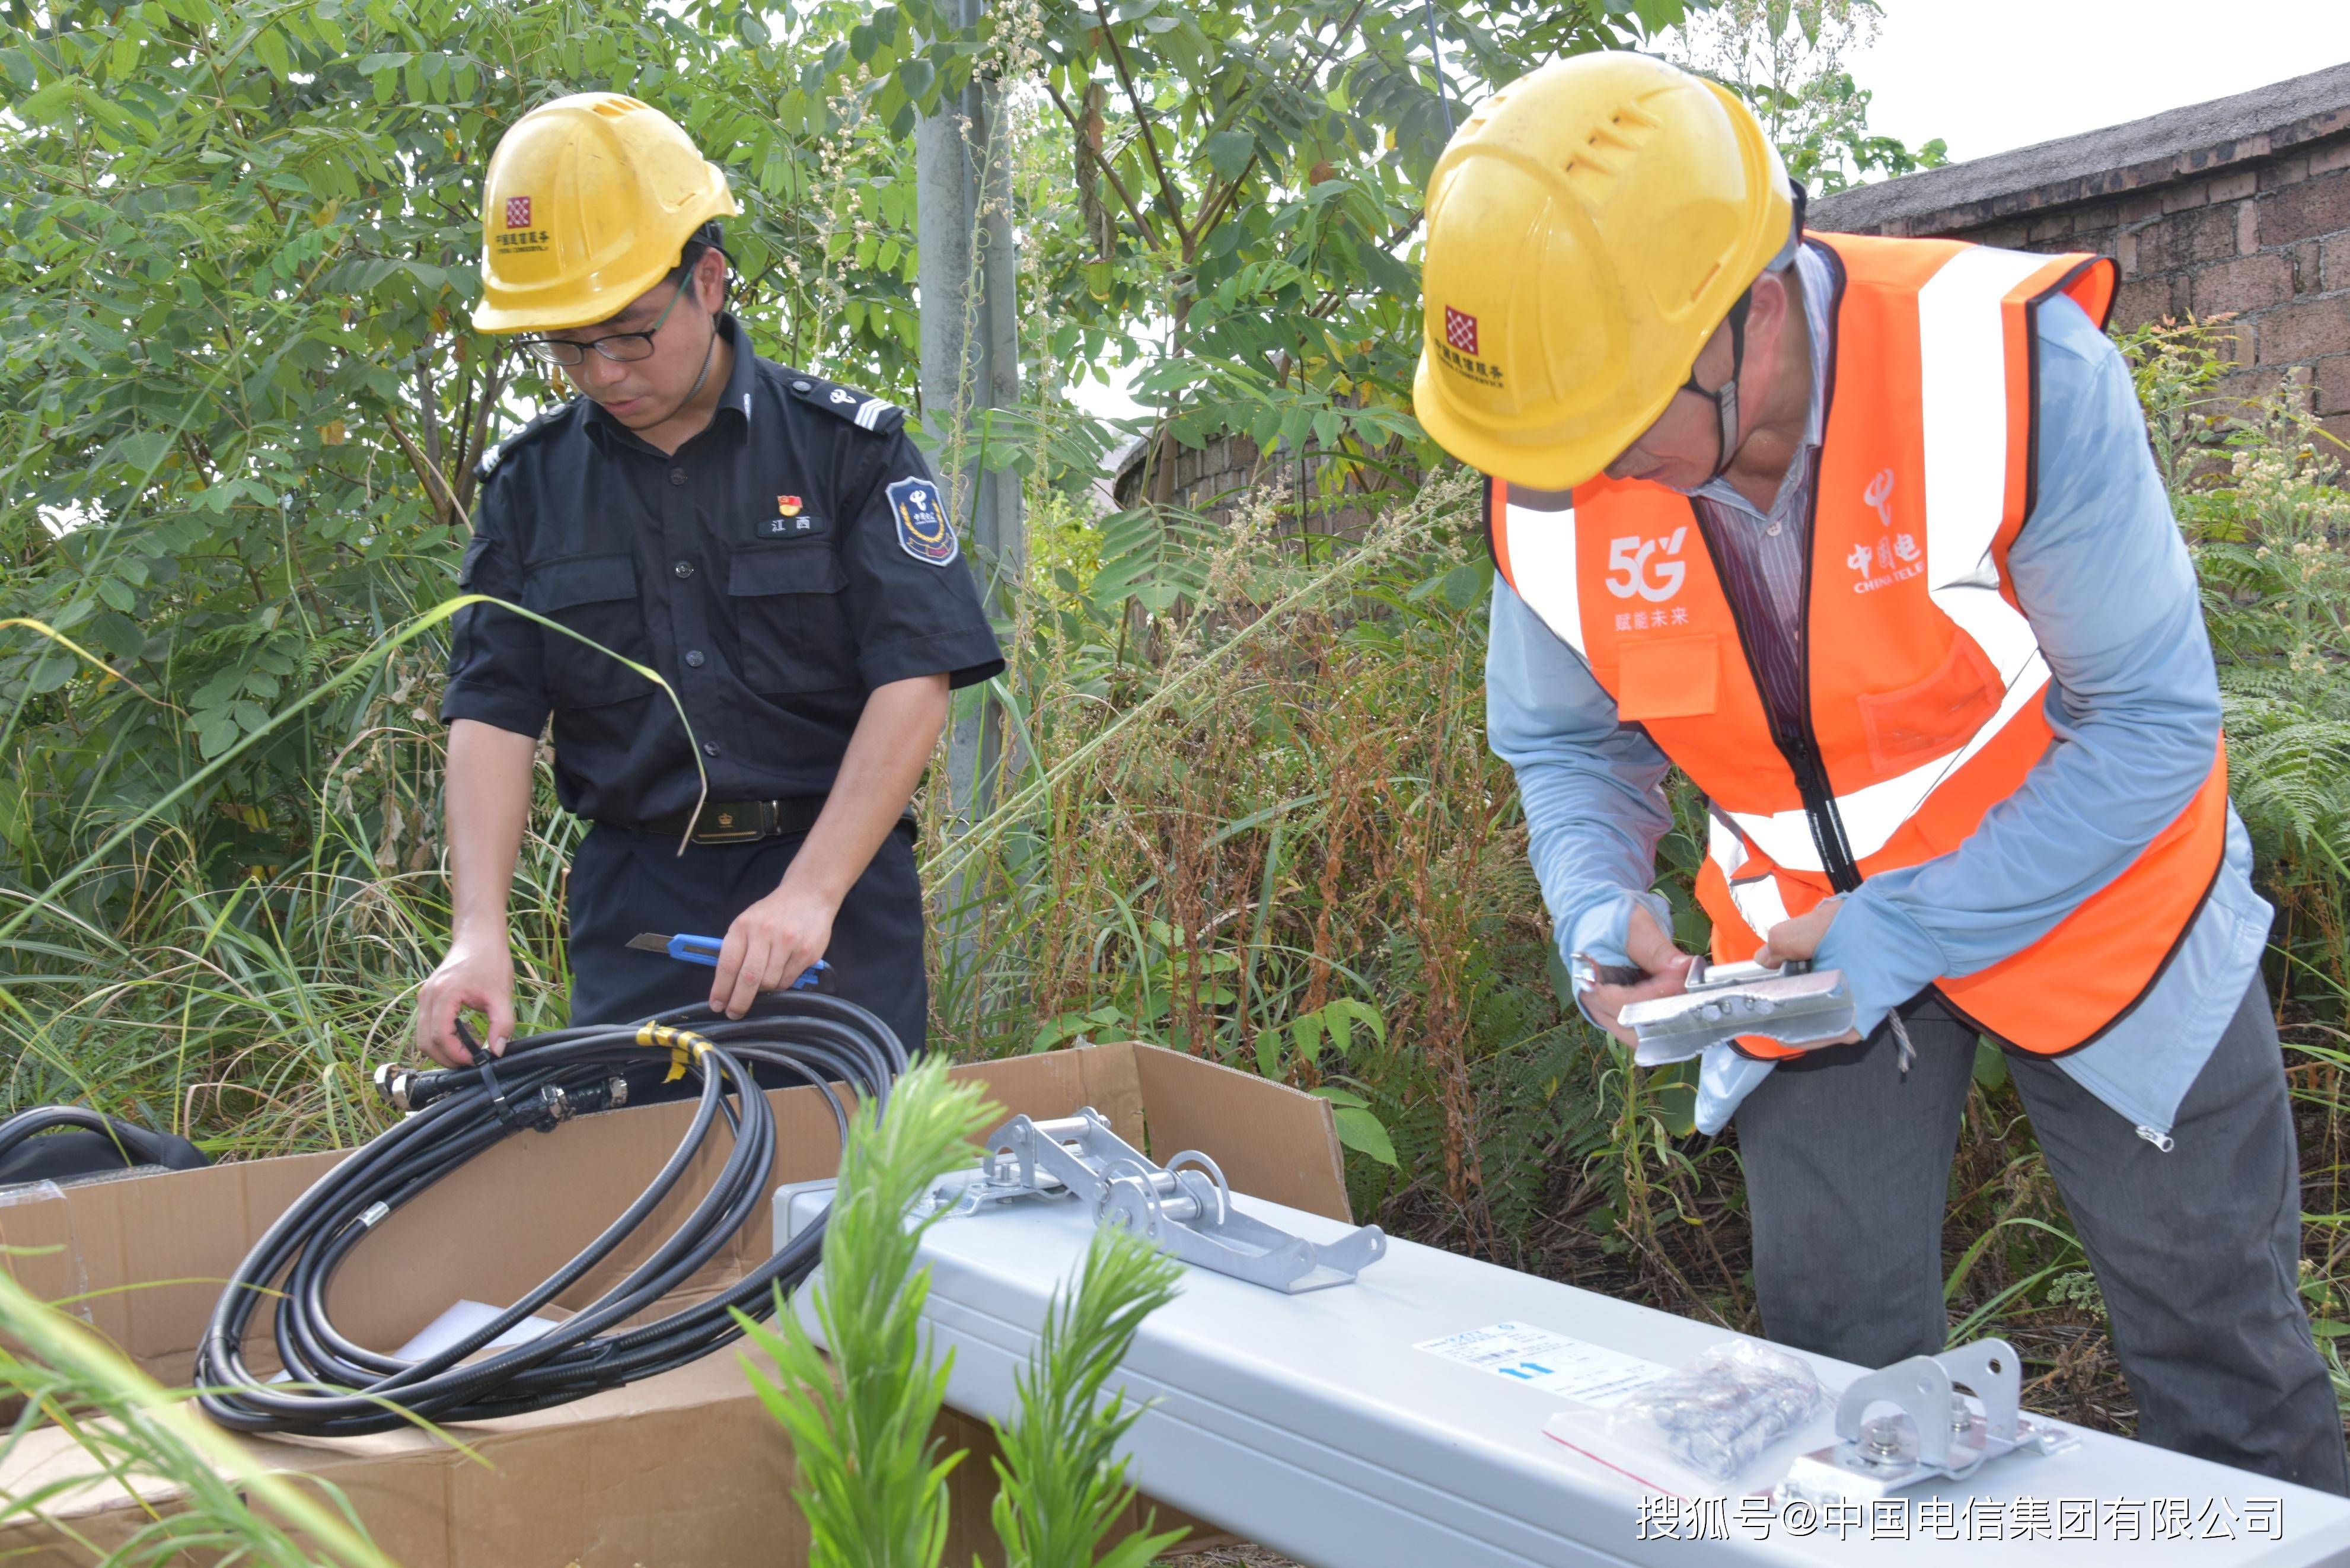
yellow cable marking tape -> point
(681, 1043)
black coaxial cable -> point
(338, 1387)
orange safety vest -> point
(1924, 687)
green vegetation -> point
(131, 1433)
(870, 1477)
(1249, 813)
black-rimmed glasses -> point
(622, 347)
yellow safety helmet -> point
(589, 200)
(1588, 229)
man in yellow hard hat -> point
(772, 543)
(1864, 535)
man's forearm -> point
(1591, 789)
(487, 807)
(892, 743)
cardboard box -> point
(686, 1467)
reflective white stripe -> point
(1722, 845)
(1962, 360)
(1759, 904)
(1757, 899)
(1541, 568)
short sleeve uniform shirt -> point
(776, 568)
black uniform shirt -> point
(782, 564)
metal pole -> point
(971, 368)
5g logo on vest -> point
(1633, 556)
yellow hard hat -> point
(589, 202)
(1588, 228)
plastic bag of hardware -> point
(1718, 1414)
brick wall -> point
(1214, 478)
(2240, 208)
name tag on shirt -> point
(792, 520)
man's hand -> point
(1667, 967)
(1800, 938)
(770, 945)
(476, 975)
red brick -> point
(2007, 236)
(2338, 427)
(2187, 238)
(2336, 270)
(2050, 226)
(2141, 205)
(2252, 386)
(2235, 187)
(2315, 207)
(2246, 284)
(2308, 272)
(2181, 197)
(2325, 159)
(2334, 385)
(2144, 300)
(2305, 329)
(2284, 171)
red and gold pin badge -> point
(788, 505)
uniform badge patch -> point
(923, 531)
(788, 505)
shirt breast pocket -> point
(595, 596)
(789, 621)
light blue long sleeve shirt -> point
(2104, 577)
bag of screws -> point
(1718, 1414)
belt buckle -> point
(726, 824)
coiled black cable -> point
(341, 1388)
(131, 1145)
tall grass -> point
(1257, 821)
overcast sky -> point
(1988, 75)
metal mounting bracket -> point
(1185, 1206)
(1795, 1005)
(1935, 1432)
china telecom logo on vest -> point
(1895, 557)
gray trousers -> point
(2197, 1251)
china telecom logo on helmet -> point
(1461, 329)
(518, 236)
(1459, 350)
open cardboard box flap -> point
(686, 1467)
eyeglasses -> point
(623, 346)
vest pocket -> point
(788, 618)
(595, 596)
(1915, 725)
(1671, 678)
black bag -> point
(96, 1146)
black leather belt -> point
(741, 821)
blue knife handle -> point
(705, 951)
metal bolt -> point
(1886, 1443)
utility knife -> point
(705, 951)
